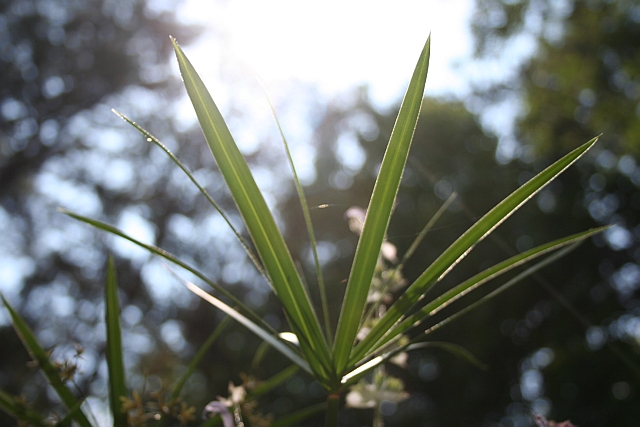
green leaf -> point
(309, 224)
(267, 385)
(424, 232)
(481, 278)
(462, 246)
(297, 417)
(115, 363)
(455, 349)
(40, 356)
(376, 361)
(195, 182)
(521, 276)
(409, 253)
(260, 223)
(198, 357)
(363, 369)
(379, 213)
(274, 341)
(19, 411)
(170, 257)
(68, 419)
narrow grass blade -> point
(309, 224)
(258, 356)
(262, 227)
(528, 272)
(115, 363)
(379, 213)
(463, 245)
(376, 361)
(40, 356)
(424, 231)
(411, 250)
(195, 182)
(455, 349)
(481, 278)
(274, 381)
(198, 357)
(19, 411)
(274, 341)
(172, 258)
(68, 419)
(297, 417)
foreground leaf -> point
(481, 278)
(462, 246)
(19, 411)
(295, 418)
(115, 364)
(309, 224)
(274, 341)
(198, 357)
(521, 276)
(170, 257)
(455, 349)
(202, 190)
(260, 223)
(379, 213)
(40, 356)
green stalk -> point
(333, 406)
(312, 235)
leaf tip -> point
(175, 44)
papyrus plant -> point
(339, 358)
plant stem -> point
(333, 405)
(378, 421)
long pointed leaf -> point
(481, 278)
(40, 356)
(268, 384)
(115, 363)
(198, 357)
(463, 245)
(68, 419)
(424, 231)
(366, 367)
(195, 182)
(19, 411)
(379, 213)
(309, 224)
(411, 250)
(297, 417)
(376, 361)
(274, 341)
(455, 349)
(266, 236)
(528, 272)
(170, 257)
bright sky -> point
(334, 44)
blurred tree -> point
(585, 68)
(582, 79)
(61, 64)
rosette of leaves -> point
(339, 358)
